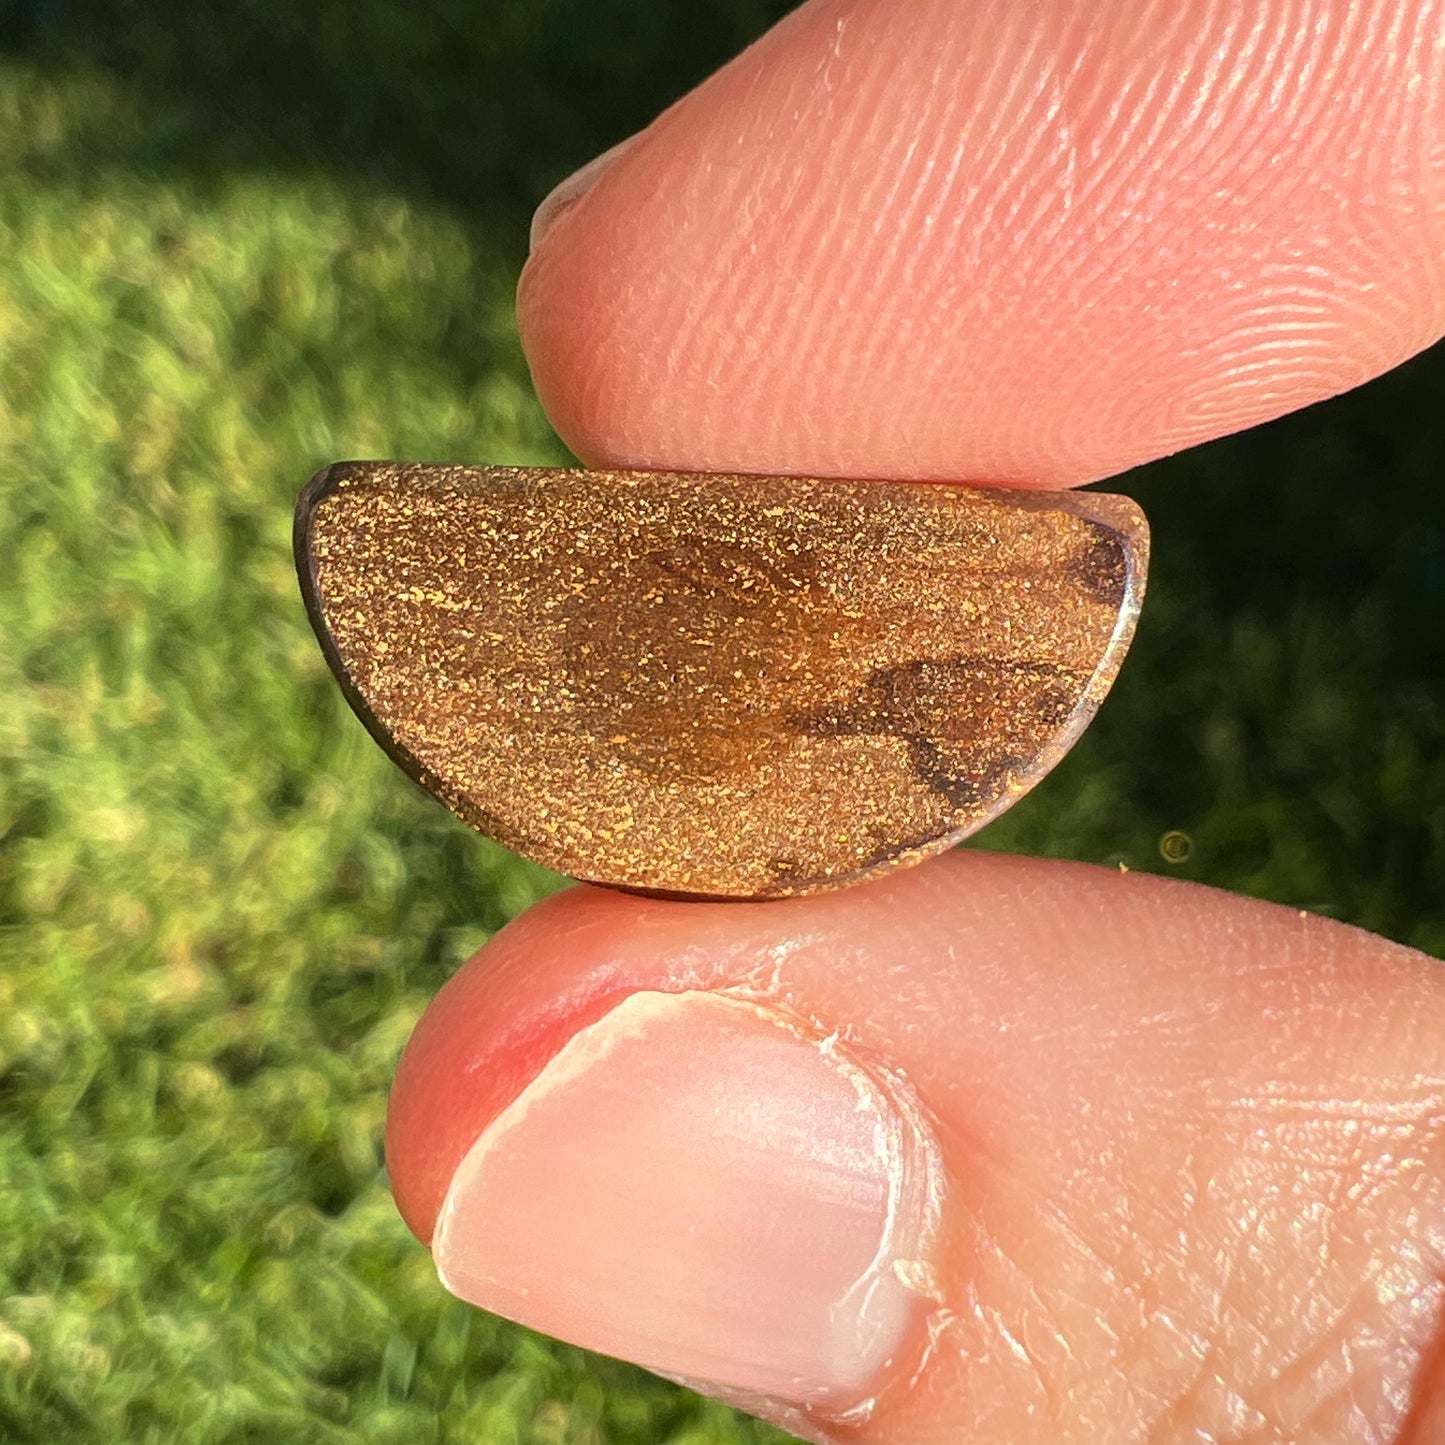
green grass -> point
(230, 254)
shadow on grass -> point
(1297, 657)
(480, 104)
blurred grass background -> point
(237, 242)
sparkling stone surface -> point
(711, 685)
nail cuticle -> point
(567, 192)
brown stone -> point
(717, 686)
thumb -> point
(1029, 244)
(994, 1150)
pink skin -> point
(1193, 1145)
(1160, 1108)
(1024, 243)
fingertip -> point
(1115, 1071)
(999, 244)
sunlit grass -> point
(222, 909)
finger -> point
(994, 1150)
(1030, 244)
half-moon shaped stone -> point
(717, 686)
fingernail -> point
(700, 1186)
(568, 192)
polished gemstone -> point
(717, 686)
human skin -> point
(1186, 1152)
